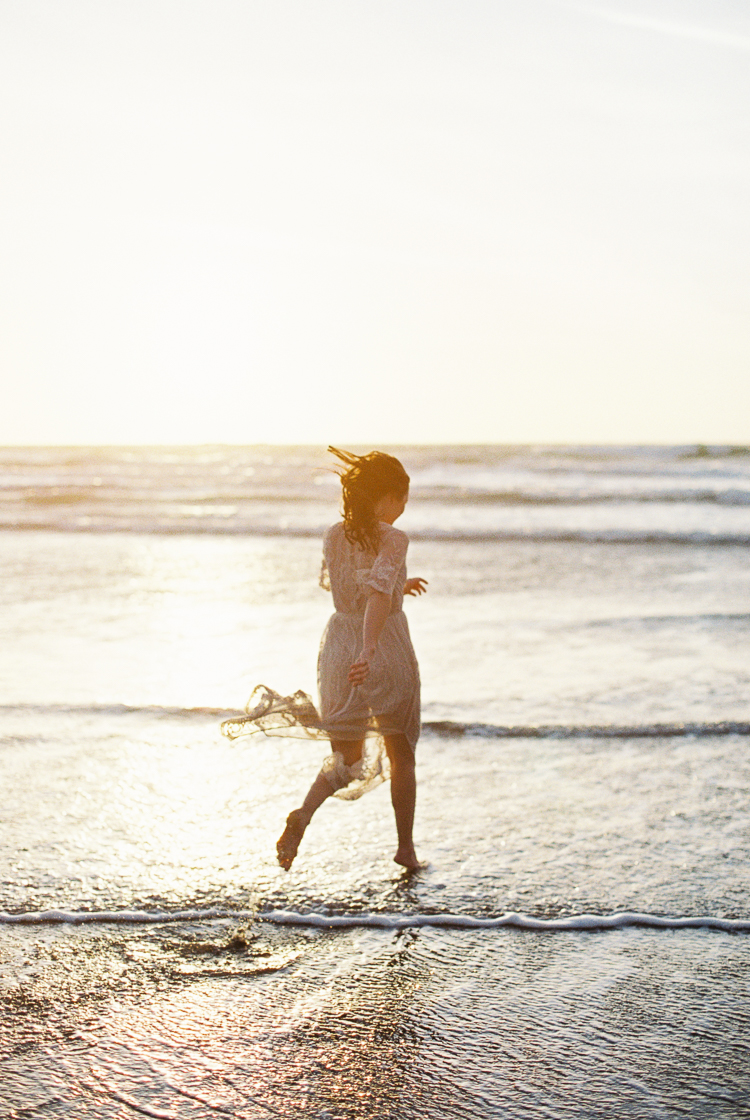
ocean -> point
(577, 945)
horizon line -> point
(705, 446)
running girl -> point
(368, 676)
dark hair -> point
(367, 479)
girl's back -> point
(352, 572)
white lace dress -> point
(387, 702)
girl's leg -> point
(319, 791)
(403, 797)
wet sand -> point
(205, 1018)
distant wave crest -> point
(217, 526)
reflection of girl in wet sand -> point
(368, 676)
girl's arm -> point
(376, 612)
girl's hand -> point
(360, 670)
(416, 586)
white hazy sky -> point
(374, 221)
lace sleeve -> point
(388, 563)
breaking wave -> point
(442, 728)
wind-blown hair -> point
(367, 479)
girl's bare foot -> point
(289, 841)
(407, 857)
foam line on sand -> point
(383, 921)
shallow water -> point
(181, 1019)
(143, 811)
(510, 632)
(120, 654)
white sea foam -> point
(123, 917)
(592, 922)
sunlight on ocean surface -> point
(584, 752)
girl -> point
(368, 676)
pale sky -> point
(374, 221)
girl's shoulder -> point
(390, 532)
(333, 531)
(392, 538)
